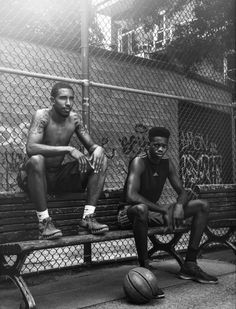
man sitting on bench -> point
(48, 142)
(144, 184)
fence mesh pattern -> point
(180, 48)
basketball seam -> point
(145, 280)
(136, 288)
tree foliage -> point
(201, 28)
(49, 22)
(209, 34)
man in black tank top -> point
(143, 187)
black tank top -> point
(153, 178)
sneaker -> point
(191, 271)
(47, 230)
(90, 224)
(159, 293)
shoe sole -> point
(51, 237)
(159, 296)
(101, 231)
(184, 277)
(85, 231)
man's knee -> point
(104, 165)
(36, 163)
(90, 169)
(141, 211)
(204, 206)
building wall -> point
(119, 120)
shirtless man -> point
(48, 142)
(144, 184)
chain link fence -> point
(168, 63)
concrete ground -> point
(101, 287)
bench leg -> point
(87, 253)
(29, 302)
(221, 239)
(167, 247)
(230, 245)
(13, 272)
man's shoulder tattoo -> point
(40, 121)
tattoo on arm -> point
(39, 123)
(81, 130)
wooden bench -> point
(19, 232)
(222, 201)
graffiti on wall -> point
(205, 145)
(120, 151)
(129, 146)
(200, 160)
(12, 153)
(14, 136)
(135, 143)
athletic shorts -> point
(65, 178)
(154, 218)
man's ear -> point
(52, 99)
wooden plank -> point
(223, 209)
(216, 187)
(219, 196)
(71, 240)
(222, 215)
(223, 223)
(14, 236)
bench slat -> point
(23, 246)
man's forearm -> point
(47, 150)
(182, 198)
(139, 199)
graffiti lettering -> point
(13, 160)
(204, 170)
(135, 143)
(10, 162)
(200, 162)
(196, 142)
(109, 153)
(15, 136)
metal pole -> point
(112, 87)
(156, 94)
(41, 75)
(85, 6)
(234, 140)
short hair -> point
(60, 85)
(158, 131)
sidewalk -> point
(101, 287)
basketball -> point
(140, 285)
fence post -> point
(234, 140)
(85, 11)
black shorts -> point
(65, 178)
(154, 218)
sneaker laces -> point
(195, 267)
(49, 224)
(92, 217)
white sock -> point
(88, 210)
(42, 215)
